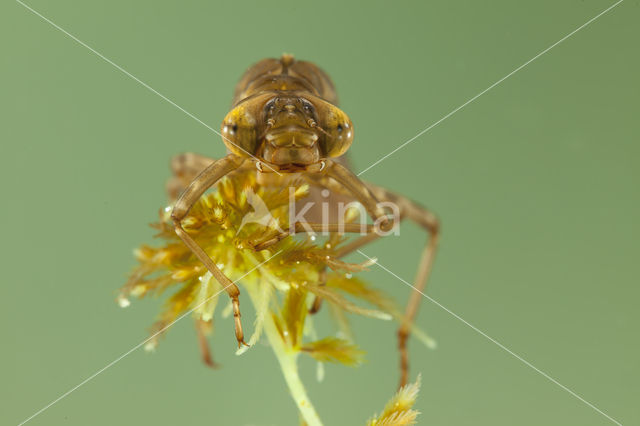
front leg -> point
(189, 197)
(413, 212)
(361, 192)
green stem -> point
(288, 363)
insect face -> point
(290, 131)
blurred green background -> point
(536, 184)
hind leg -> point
(202, 329)
(428, 221)
(185, 167)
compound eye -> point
(340, 132)
(240, 127)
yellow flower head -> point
(282, 288)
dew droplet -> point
(123, 302)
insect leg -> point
(343, 251)
(300, 227)
(317, 301)
(185, 167)
(356, 188)
(368, 196)
(359, 190)
(428, 221)
(205, 352)
(317, 227)
(200, 184)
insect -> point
(285, 125)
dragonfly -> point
(285, 126)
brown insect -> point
(284, 124)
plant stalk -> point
(287, 358)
